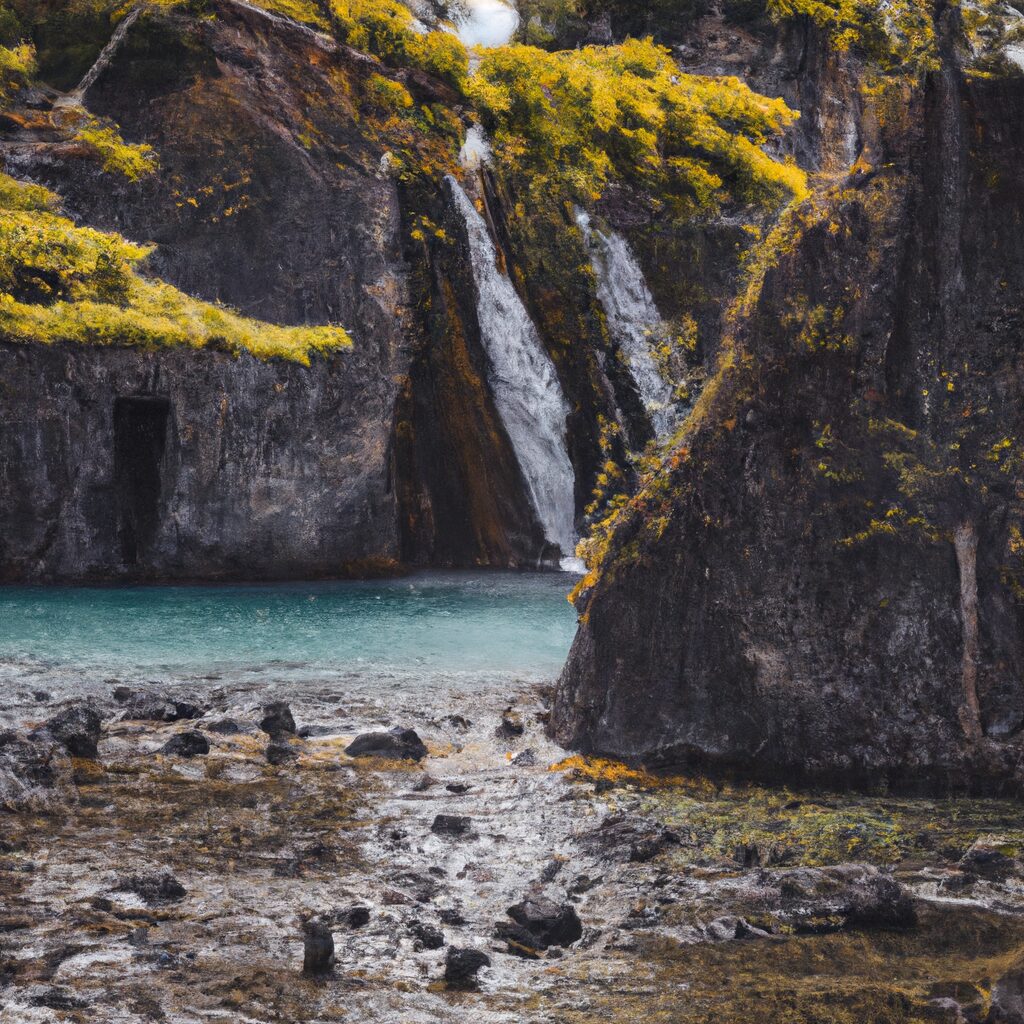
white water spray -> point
(487, 23)
(633, 317)
(524, 384)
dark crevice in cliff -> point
(140, 438)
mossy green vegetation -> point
(63, 283)
(580, 120)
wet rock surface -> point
(398, 744)
(77, 730)
(185, 889)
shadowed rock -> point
(550, 923)
(144, 707)
(277, 719)
(154, 888)
(398, 744)
(187, 744)
(77, 730)
(450, 825)
(427, 936)
(35, 774)
(280, 751)
(318, 949)
(462, 965)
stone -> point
(985, 860)
(526, 759)
(353, 917)
(550, 923)
(423, 783)
(35, 773)
(280, 751)
(397, 744)
(187, 744)
(223, 727)
(511, 725)
(521, 942)
(277, 719)
(149, 707)
(153, 888)
(458, 787)
(318, 949)
(122, 694)
(462, 966)
(450, 825)
(77, 730)
(427, 936)
(1007, 997)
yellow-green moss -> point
(60, 282)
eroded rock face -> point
(824, 580)
(35, 774)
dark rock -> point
(848, 895)
(35, 773)
(985, 860)
(122, 694)
(741, 638)
(423, 783)
(60, 999)
(427, 936)
(187, 744)
(550, 923)
(77, 730)
(223, 727)
(511, 725)
(462, 965)
(625, 838)
(1007, 998)
(458, 787)
(452, 917)
(277, 720)
(450, 825)
(520, 941)
(397, 744)
(155, 888)
(526, 759)
(41, 696)
(280, 751)
(353, 917)
(147, 707)
(318, 949)
(458, 722)
(312, 731)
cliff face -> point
(116, 463)
(824, 579)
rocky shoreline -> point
(217, 855)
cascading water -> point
(633, 317)
(487, 23)
(524, 384)
(106, 55)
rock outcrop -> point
(824, 579)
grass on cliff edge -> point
(63, 283)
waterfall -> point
(633, 318)
(106, 54)
(523, 382)
(487, 23)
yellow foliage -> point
(60, 282)
(599, 114)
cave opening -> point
(140, 437)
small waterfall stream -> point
(487, 23)
(633, 317)
(106, 54)
(524, 384)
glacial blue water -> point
(436, 623)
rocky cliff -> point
(823, 579)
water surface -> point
(426, 625)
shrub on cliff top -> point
(585, 118)
(60, 282)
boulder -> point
(35, 773)
(157, 888)
(277, 719)
(450, 825)
(149, 707)
(318, 949)
(427, 936)
(224, 727)
(550, 923)
(462, 966)
(280, 751)
(511, 725)
(397, 744)
(187, 744)
(77, 730)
